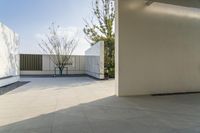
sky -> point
(31, 19)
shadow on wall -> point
(115, 115)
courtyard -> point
(58, 77)
(86, 105)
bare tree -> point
(58, 47)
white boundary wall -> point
(48, 68)
(94, 63)
(9, 56)
(91, 64)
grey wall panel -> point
(31, 62)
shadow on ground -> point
(8, 88)
(146, 114)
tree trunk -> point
(61, 71)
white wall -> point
(77, 66)
(91, 64)
(94, 63)
(157, 46)
(9, 56)
(48, 67)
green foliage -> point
(102, 29)
(109, 52)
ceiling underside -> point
(185, 3)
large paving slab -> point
(85, 105)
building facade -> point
(157, 46)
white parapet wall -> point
(76, 66)
(9, 56)
(94, 62)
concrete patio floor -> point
(84, 105)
